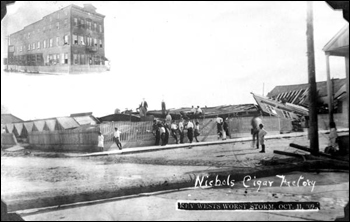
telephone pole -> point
(313, 131)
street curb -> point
(184, 181)
(186, 145)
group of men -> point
(163, 129)
(258, 132)
(223, 130)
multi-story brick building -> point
(70, 40)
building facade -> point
(70, 40)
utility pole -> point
(313, 131)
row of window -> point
(83, 40)
(55, 59)
(81, 23)
(76, 40)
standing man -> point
(143, 107)
(219, 124)
(189, 128)
(117, 138)
(262, 134)
(227, 128)
(173, 131)
(256, 121)
(196, 131)
(100, 141)
(181, 130)
(156, 132)
(162, 133)
(168, 119)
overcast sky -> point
(187, 53)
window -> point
(51, 43)
(54, 59)
(38, 45)
(50, 19)
(33, 46)
(65, 22)
(58, 59)
(48, 59)
(75, 22)
(95, 27)
(75, 59)
(95, 42)
(65, 40)
(66, 58)
(38, 30)
(58, 25)
(28, 47)
(44, 44)
(44, 29)
(101, 46)
(89, 41)
(58, 15)
(57, 41)
(28, 35)
(20, 48)
(81, 40)
(101, 28)
(50, 27)
(75, 40)
(83, 23)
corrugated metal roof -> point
(297, 94)
(275, 108)
(67, 122)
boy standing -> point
(117, 138)
(100, 141)
(262, 133)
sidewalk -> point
(176, 146)
(33, 182)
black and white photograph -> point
(174, 110)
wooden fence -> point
(135, 134)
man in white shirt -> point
(193, 110)
(117, 138)
(199, 111)
(100, 141)
(189, 128)
(219, 125)
(181, 130)
(173, 131)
